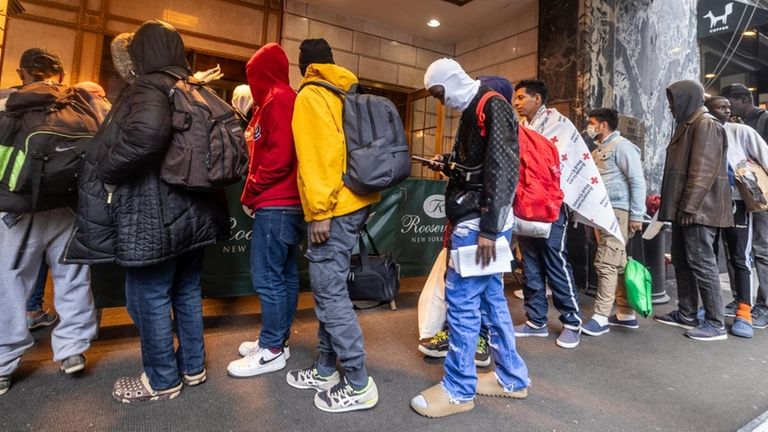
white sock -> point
(624, 317)
(602, 320)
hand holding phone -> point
(433, 164)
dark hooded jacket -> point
(272, 172)
(145, 221)
(499, 158)
(695, 172)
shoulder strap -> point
(326, 86)
(480, 107)
(761, 124)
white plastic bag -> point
(432, 307)
(527, 228)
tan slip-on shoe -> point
(435, 402)
(488, 385)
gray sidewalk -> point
(651, 379)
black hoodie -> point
(157, 46)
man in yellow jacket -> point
(335, 215)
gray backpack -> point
(377, 152)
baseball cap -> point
(41, 58)
(735, 90)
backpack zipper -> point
(370, 116)
(359, 123)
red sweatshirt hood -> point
(266, 70)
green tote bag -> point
(639, 287)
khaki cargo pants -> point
(610, 261)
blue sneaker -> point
(529, 330)
(674, 318)
(760, 316)
(742, 328)
(614, 321)
(593, 328)
(707, 332)
(569, 338)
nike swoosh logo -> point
(63, 149)
(262, 362)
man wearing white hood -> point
(483, 169)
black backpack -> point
(208, 149)
(377, 152)
(42, 146)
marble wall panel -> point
(558, 49)
(378, 70)
(638, 49)
(520, 69)
(410, 77)
(295, 7)
(425, 58)
(337, 37)
(398, 53)
(295, 27)
(348, 60)
(366, 44)
(336, 18)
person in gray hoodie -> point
(696, 198)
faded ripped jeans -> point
(470, 300)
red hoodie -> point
(272, 169)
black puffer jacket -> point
(147, 221)
(499, 155)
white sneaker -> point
(343, 398)
(261, 362)
(251, 347)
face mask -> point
(592, 131)
(453, 103)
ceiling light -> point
(433, 23)
(709, 75)
(750, 33)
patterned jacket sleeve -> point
(501, 167)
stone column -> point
(635, 49)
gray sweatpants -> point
(71, 288)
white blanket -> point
(580, 180)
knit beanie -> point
(314, 51)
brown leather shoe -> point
(488, 385)
(438, 403)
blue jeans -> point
(276, 237)
(35, 301)
(339, 331)
(547, 260)
(471, 300)
(152, 293)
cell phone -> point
(426, 160)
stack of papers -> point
(464, 260)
